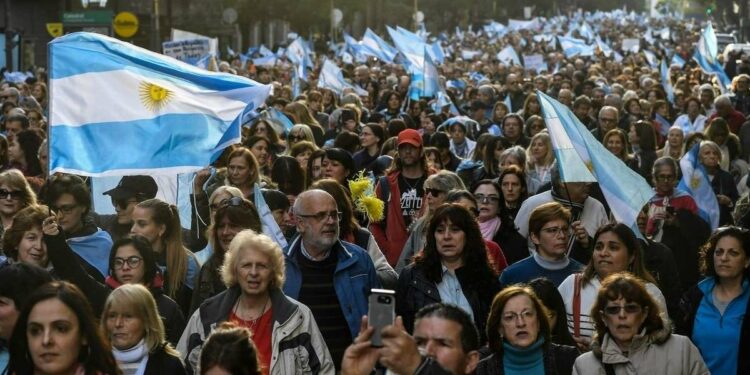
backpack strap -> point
(577, 305)
(385, 195)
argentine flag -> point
(581, 158)
(117, 109)
(695, 181)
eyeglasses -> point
(11, 194)
(133, 262)
(525, 316)
(433, 192)
(555, 231)
(66, 209)
(487, 198)
(123, 203)
(631, 308)
(320, 216)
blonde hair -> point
(549, 156)
(250, 240)
(141, 302)
(15, 180)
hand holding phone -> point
(381, 312)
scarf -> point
(132, 361)
(490, 227)
(461, 149)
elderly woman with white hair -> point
(674, 147)
(253, 272)
(722, 181)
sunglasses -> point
(433, 192)
(11, 194)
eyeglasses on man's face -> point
(323, 215)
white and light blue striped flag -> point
(375, 46)
(695, 181)
(651, 58)
(332, 78)
(575, 47)
(278, 120)
(666, 82)
(581, 158)
(713, 69)
(509, 55)
(162, 117)
(264, 51)
(708, 45)
(265, 61)
(268, 223)
(677, 60)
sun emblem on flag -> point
(153, 96)
(695, 182)
(589, 165)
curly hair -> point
(632, 289)
(250, 240)
(474, 254)
(707, 251)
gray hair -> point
(444, 181)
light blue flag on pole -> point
(677, 60)
(278, 120)
(375, 46)
(509, 55)
(666, 82)
(431, 78)
(695, 181)
(708, 45)
(575, 47)
(651, 58)
(265, 61)
(268, 223)
(436, 52)
(230, 51)
(712, 69)
(355, 48)
(332, 78)
(410, 45)
(581, 158)
(264, 51)
(165, 116)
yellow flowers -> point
(364, 198)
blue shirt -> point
(529, 269)
(717, 336)
(451, 292)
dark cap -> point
(140, 187)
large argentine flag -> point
(117, 109)
(581, 158)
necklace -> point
(253, 321)
(410, 185)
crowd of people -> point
(498, 264)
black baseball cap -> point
(140, 187)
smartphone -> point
(381, 312)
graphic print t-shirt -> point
(412, 193)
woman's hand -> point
(49, 226)
(200, 179)
(723, 200)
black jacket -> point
(558, 360)
(660, 262)
(513, 244)
(415, 290)
(685, 240)
(68, 268)
(162, 363)
(689, 305)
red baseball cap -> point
(411, 137)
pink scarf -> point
(489, 227)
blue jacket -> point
(720, 338)
(354, 277)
